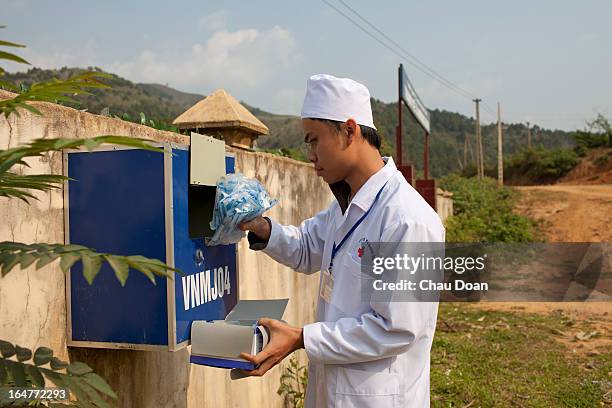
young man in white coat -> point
(361, 354)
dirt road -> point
(570, 213)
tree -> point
(20, 366)
(601, 125)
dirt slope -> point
(570, 213)
(594, 168)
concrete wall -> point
(33, 306)
(444, 204)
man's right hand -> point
(258, 226)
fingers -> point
(262, 369)
(258, 358)
(245, 226)
(267, 322)
(251, 224)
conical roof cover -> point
(219, 110)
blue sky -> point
(548, 62)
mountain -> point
(449, 130)
(124, 98)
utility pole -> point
(465, 147)
(500, 152)
(528, 136)
(398, 136)
(479, 155)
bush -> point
(581, 150)
(590, 140)
(484, 212)
(539, 165)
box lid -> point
(253, 310)
(206, 160)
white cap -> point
(339, 99)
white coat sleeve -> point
(388, 329)
(300, 248)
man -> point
(366, 354)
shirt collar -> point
(366, 194)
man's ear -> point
(351, 130)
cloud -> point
(242, 58)
(288, 100)
(213, 22)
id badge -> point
(327, 285)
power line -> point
(404, 54)
(401, 55)
(424, 66)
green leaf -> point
(35, 376)
(69, 248)
(66, 143)
(40, 247)
(98, 383)
(12, 57)
(13, 246)
(42, 356)
(68, 260)
(4, 255)
(3, 373)
(11, 192)
(17, 373)
(73, 386)
(30, 108)
(120, 266)
(55, 378)
(9, 263)
(45, 259)
(142, 268)
(57, 364)
(78, 368)
(23, 354)
(6, 349)
(11, 44)
(90, 144)
(94, 395)
(91, 266)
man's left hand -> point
(284, 340)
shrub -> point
(484, 212)
(590, 140)
(539, 165)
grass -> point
(511, 359)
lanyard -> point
(335, 248)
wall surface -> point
(33, 305)
(444, 204)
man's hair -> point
(368, 133)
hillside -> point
(162, 104)
(158, 102)
(594, 168)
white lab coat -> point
(364, 354)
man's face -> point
(327, 150)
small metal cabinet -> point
(137, 202)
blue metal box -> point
(135, 202)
